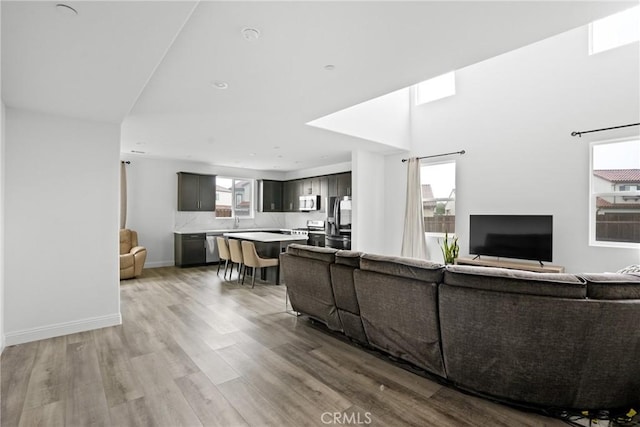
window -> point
(615, 194)
(435, 88)
(438, 182)
(234, 197)
(614, 31)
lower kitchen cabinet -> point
(190, 249)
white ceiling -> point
(149, 64)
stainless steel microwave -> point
(310, 203)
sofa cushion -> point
(546, 351)
(516, 281)
(350, 258)
(411, 268)
(353, 326)
(612, 286)
(343, 288)
(313, 252)
(400, 316)
(308, 282)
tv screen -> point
(512, 236)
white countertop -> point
(265, 237)
(225, 230)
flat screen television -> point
(527, 237)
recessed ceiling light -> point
(66, 10)
(140, 143)
(252, 154)
(218, 84)
(277, 147)
(137, 152)
(329, 67)
(250, 34)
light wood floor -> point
(196, 350)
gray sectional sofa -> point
(542, 339)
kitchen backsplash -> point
(208, 221)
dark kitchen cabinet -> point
(332, 185)
(344, 184)
(190, 249)
(271, 196)
(196, 192)
(290, 199)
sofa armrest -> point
(137, 249)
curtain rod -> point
(438, 155)
(600, 130)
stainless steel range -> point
(316, 233)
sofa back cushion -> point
(306, 272)
(612, 286)
(411, 268)
(516, 281)
(398, 307)
(312, 252)
(344, 291)
(342, 280)
(541, 350)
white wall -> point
(61, 225)
(384, 119)
(318, 171)
(514, 115)
(368, 185)
(2, 120)
(2, 246)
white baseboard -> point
(59, 329)
(157, 264)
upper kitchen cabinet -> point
(344, 184)
(196, 192)
(290, 195)
(270, 196)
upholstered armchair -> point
(132, 256)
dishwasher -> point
(212, 256)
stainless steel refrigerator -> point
(338, 224)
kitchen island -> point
(268, 245)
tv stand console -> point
(514, 265)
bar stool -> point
(223, 251)
(236, 257)
(251, 259)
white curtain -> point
(413, 242)
(123, 195)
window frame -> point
(592, 212)
(252, 206)
(424, 163)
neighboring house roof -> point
(602, 203)
(223, 189)
(427, 192)
(618, 175)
